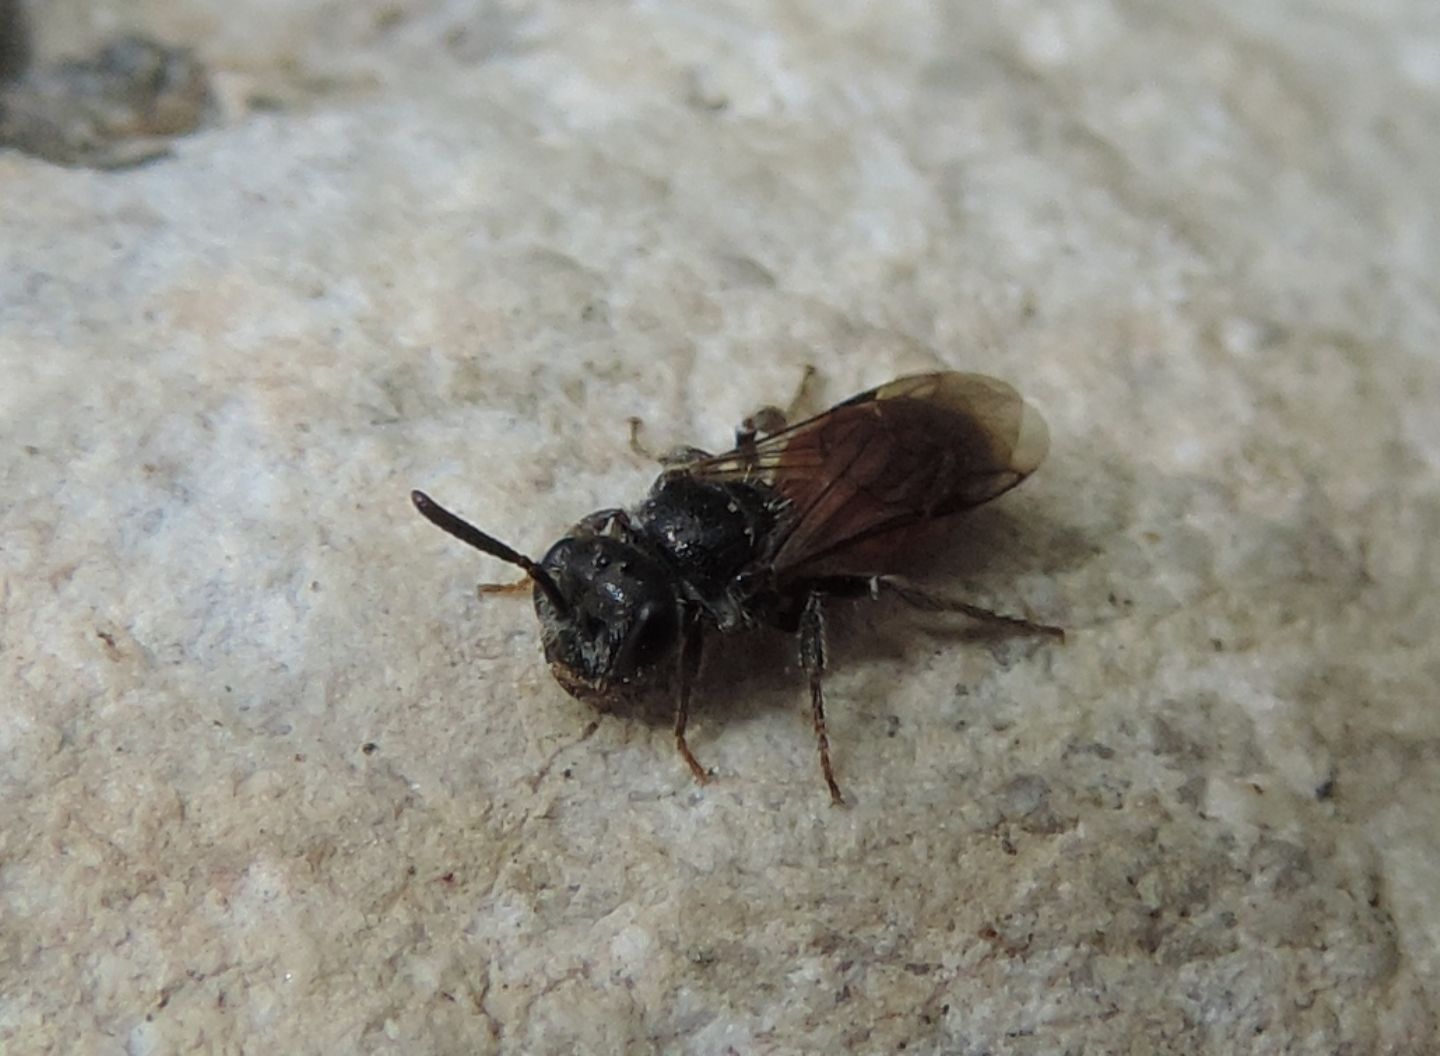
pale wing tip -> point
(1032, 440)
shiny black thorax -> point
(692, 550)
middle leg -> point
(689, 668)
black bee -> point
(769, 534)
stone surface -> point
(275, 779)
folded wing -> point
(916, 448)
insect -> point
(770, 534)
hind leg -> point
(927, 601)
(812, 659)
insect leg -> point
(769, 420)
(763, 422)
(926, 601)
(636, 444)
(801, 398)
(675, 457)
(520, 586)
(812, 659)
(689, 668)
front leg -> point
(520, 586)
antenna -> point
(466, 532)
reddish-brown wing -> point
(917, 448)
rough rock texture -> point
(274, 779)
